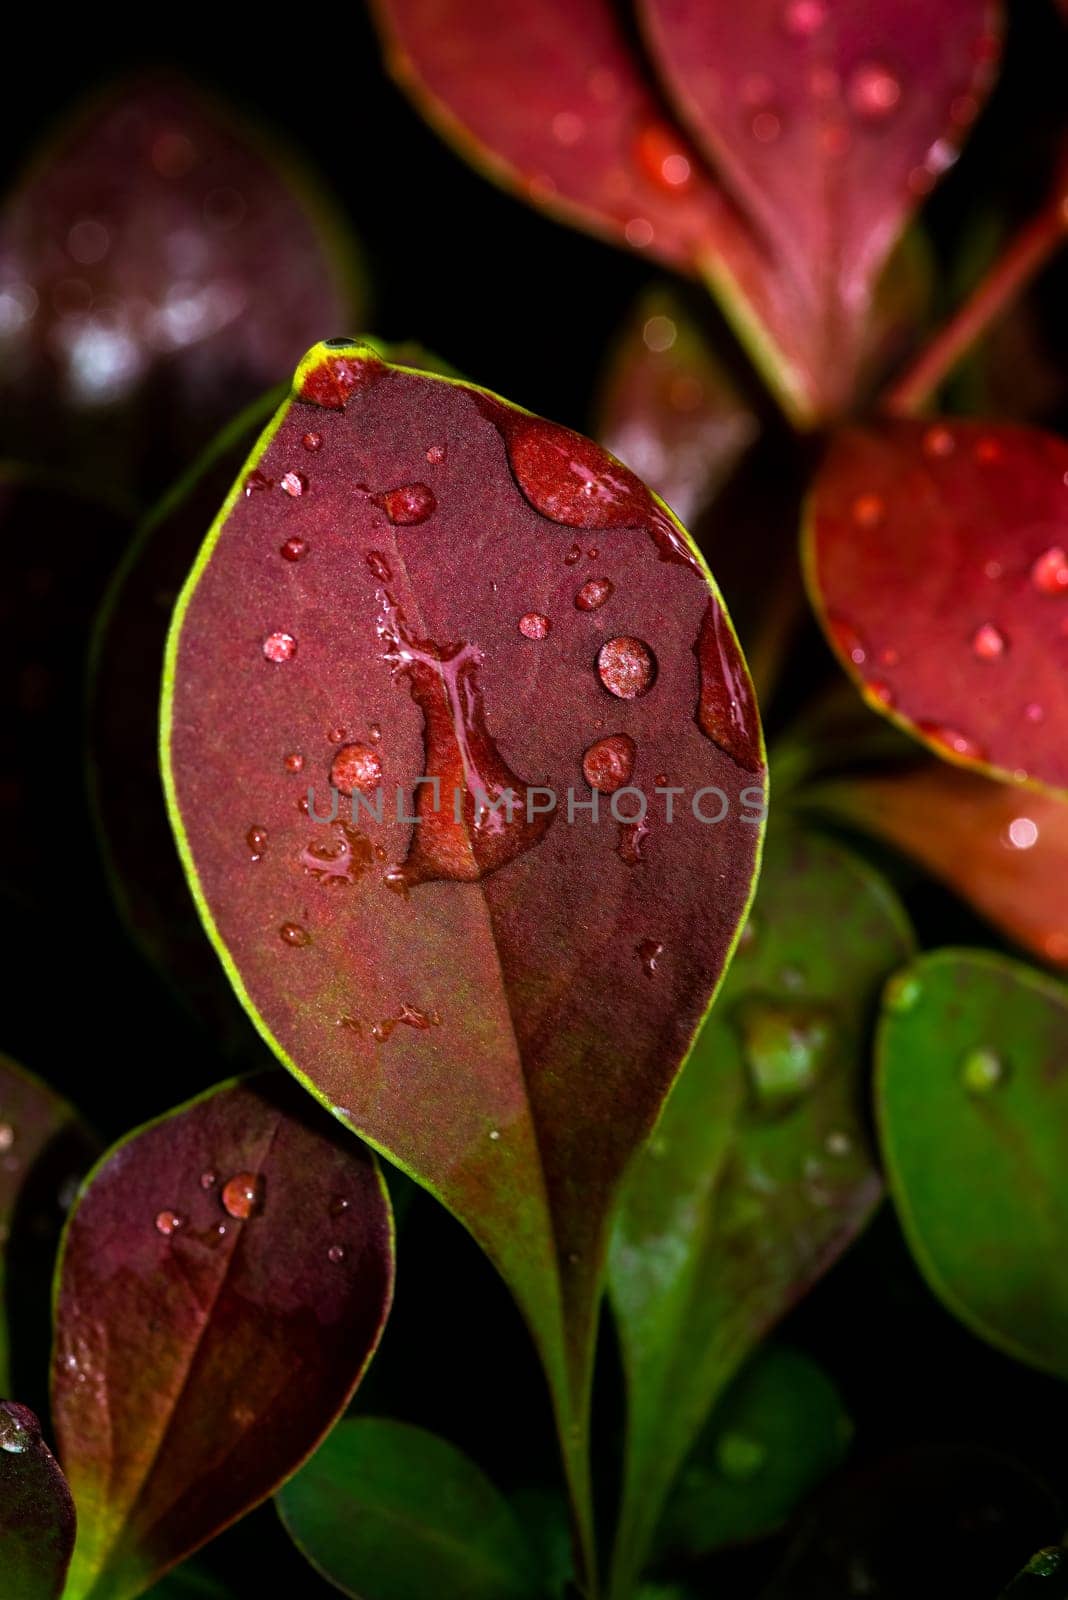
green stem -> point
(1025, 256)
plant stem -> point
(1025, 256)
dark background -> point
(959, 1468)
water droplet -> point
(18, 1426)
(938, 442)
(374, 733)
(257, 480)
(725, 711)
(294, 484)
(242, 1195)
(632, 837)
(649, 953)
(436, 454)
(336, 1253)
(868, 510)
(495, 1134)
(294, 762)
(1049, 574)
(848, 640)
(803, 18)
(256, 839)
(659, 333)
(1046, 1563)
(410, 1016)
(294, 549)
(765, 127)
(1022, 833)
(981, 1071)
(609, 764)
(208, 1180)
(661, 159)
(593, 594)
(534, 625)
(167, 1222)
(292, 933)
(573, 555)
(332, 381)
(988, 642)
(408, 505)
(356, 767)
(279, 647)
(7, 1136)
(786, 1047)
(877, 689)
(312, 441)
(627, 667)
(350, 858)
(739, 1457)
(874, 91)
(951, 739)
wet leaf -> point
(159, 268)
(936, 557)
(1003, 849)
(223, 1283)
(500, 1005)
(36, 1510)
(760, 1172)
(387, 1511)
(668, 407)
(972, 1055)
(779, 1430)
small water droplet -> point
(627, 667)
(294, 484)
(257, 480)
(1049, 574)
(981, 1071)
(838, 1144)
(242, 1195)
(336, 1253)
(988, 642)
(294, 549)
(661, 159)
(877, 689)
(495, 1134)
(609, 764)
(256, 839)
(649, 953)
(593, 594)
(208, 1180)
(632, 837)
(408, 505)
(336, 734)
(573, 555)
(167, 1222)
(279, 647)
(436, 454)
(312, 441)
(659, 333)
(534, 625)
(874, 91)
(356, 767)
(938, 442)
(951, 739)
(294, 762)
(339, 1205)
(292, 933)
(848, 640)
(902, 992)
(739, 1457)
(786, 1047)
(1022, 833)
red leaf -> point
(224, 1281)
(1002, 850)
(936, 555)
(830, 122)
(507, 1024)
(159, 269)
(36, 1510)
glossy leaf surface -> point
(499, 1005)
(159, 268)
(36, 1510)
(936, 556)
(387, 1511)
(223, 1283)
(1001, 848)
(971, 1097)
(760, 1172)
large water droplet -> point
(627, 667)
(279, 647)
(408, 505)
(436, 454)
(609, 764)
(294, 484)
(534, 625)
(292, 933)
(593, 594)
(356, 767)
(332, 381)
(19, 1427)
(981, 1071)
(786, 1046)
(242, 1195)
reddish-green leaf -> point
(223, 1283)
(760, 1171)
(1003, 850)
(36, 1510)
(829, 122)
(500, 1006)
(937, 556)
(668, 407)
(158, 269)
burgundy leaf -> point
(224, 1281)
(36, 1510)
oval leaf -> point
(829, 123)
(223, 1284)
(760, 1171)
(1003, 850)
(937, 557)
(160, 269)
(972, 1119)
(386, 1511)
(500, 1005)
(36, 1510)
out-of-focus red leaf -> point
(1002, 849)
(36, 1510)
(937, 557)
(223, 1284)
(490, 600)
(159, 268)
(830, 123)
(668, 407)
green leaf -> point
(387, 1511)
(779, 1430)
(973, 1119)
(760, 1172)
